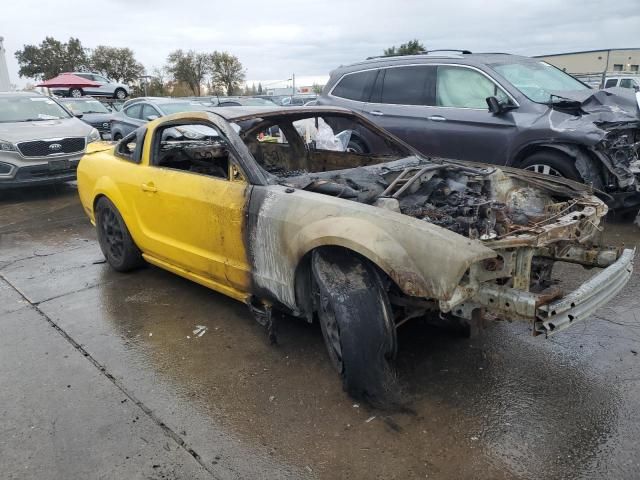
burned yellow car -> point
(318, 213)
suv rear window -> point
(412, 85)
(355, 86)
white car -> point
(107, 88)
(626, 81)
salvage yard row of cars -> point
(321, 213)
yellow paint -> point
(188, 223)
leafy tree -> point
(317, 89)
(51, 58)
(410, 48)
(226, 71)
(116, 63)
(260, 88)
(190, 68)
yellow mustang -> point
(341, 221)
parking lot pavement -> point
(201, 377)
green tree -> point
(317, 89)
(412, 47)
(51, 58)
(190, 68)
(226, 71)
(260, 88)
(116, 63)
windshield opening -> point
(538, 80)
(30, 109)
(86, 106)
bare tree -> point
(226, 71)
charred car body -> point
(502, 109)
(361, 241)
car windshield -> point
(86, 106)
(30, 109)
(538, 80)
(177, 107)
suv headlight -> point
(94, 136)
(7, 146)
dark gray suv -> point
(502, 109)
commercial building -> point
(624, 60)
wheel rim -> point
(76, 93)
(330, 331)
(112, 233)
(544, 169)
(120, 94)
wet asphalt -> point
(147, 375)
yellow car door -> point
(192, 223)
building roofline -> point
(586, 51)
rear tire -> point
(75, 92)
(120, 94)
(552, 163)
(357, 324)
(115, 240)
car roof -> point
(241, 113)
(79, 99)
(436, 57)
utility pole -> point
(293, 84)
(4, 72)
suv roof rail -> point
(423, 52)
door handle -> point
(437, 118)
(377, 113)
(149, 187)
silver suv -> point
(40, 141)
(107, 88)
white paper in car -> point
(322, 134)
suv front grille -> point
(43, 148)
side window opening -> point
(465, 88)
(195, 148)
(130, 147)
(134, 111)
(355, 86)
(410, 85)
(611, 82)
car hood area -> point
(43, 129)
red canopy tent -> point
(68, 80)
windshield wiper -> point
(38, 119)
(562, 100)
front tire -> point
(115, 240)
(552, 163)
(357, 324)
(75, 92)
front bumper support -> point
(587, 298)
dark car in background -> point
(501, 108)
(138, 111)
(91, 111)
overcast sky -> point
(276, 38)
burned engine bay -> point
(478, 203)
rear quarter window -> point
(355, 86)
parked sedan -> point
(40, 141)
(138, 111)
(503, 109)
(93, 112)
(362, 242)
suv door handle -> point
(437, 118)
(377, 113)
(149, 187)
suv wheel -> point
(120, 94)
(552, 163)
(75, 92)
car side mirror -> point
(151, 117)
(77, 115)
(496, 107)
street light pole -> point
(293, 84)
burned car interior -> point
(195, 148)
